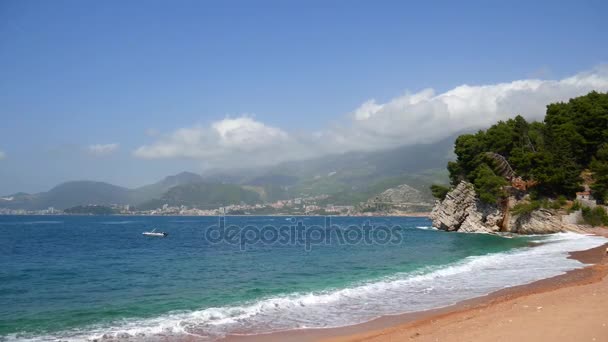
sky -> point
(128, 92)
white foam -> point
(408, 292)
(426, 227)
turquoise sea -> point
(86, 277)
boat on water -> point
(155, 233)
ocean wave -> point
(425, 289)
(426, 227)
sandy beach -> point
(573, 307)
(569, 307)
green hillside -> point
(203, 195)
(156, 190)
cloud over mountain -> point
(426, 116)
(421, 117)
(241, 139)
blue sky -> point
(131, 91)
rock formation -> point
(541, 221)
(462, 211)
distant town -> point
(296, 206)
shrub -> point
(556, 204)
(439, 191)
(596, 216)
(524, 208)
(576, 205)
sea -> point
(84, 278)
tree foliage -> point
(90, 210)
(488, 185)
(572, 138)
(599, 167)
(595, 217)
(439, 191)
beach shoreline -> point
(422, 326)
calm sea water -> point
(80, 278)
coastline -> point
(448, 323)
(412, 214)
(531, 260)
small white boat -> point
(154, 233)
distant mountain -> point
(351, 167)
(70, 194)
(20, 200)
(203, 195)
(84, 192)
(400, 198)
(156, 190)
(348, 178)
(401, 194)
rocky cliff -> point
(462, 211)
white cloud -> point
(102, 149)
(2, 155)
(427, 117)
(420, 117)
(152, 132)
(228, 141)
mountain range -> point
(347, 178)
